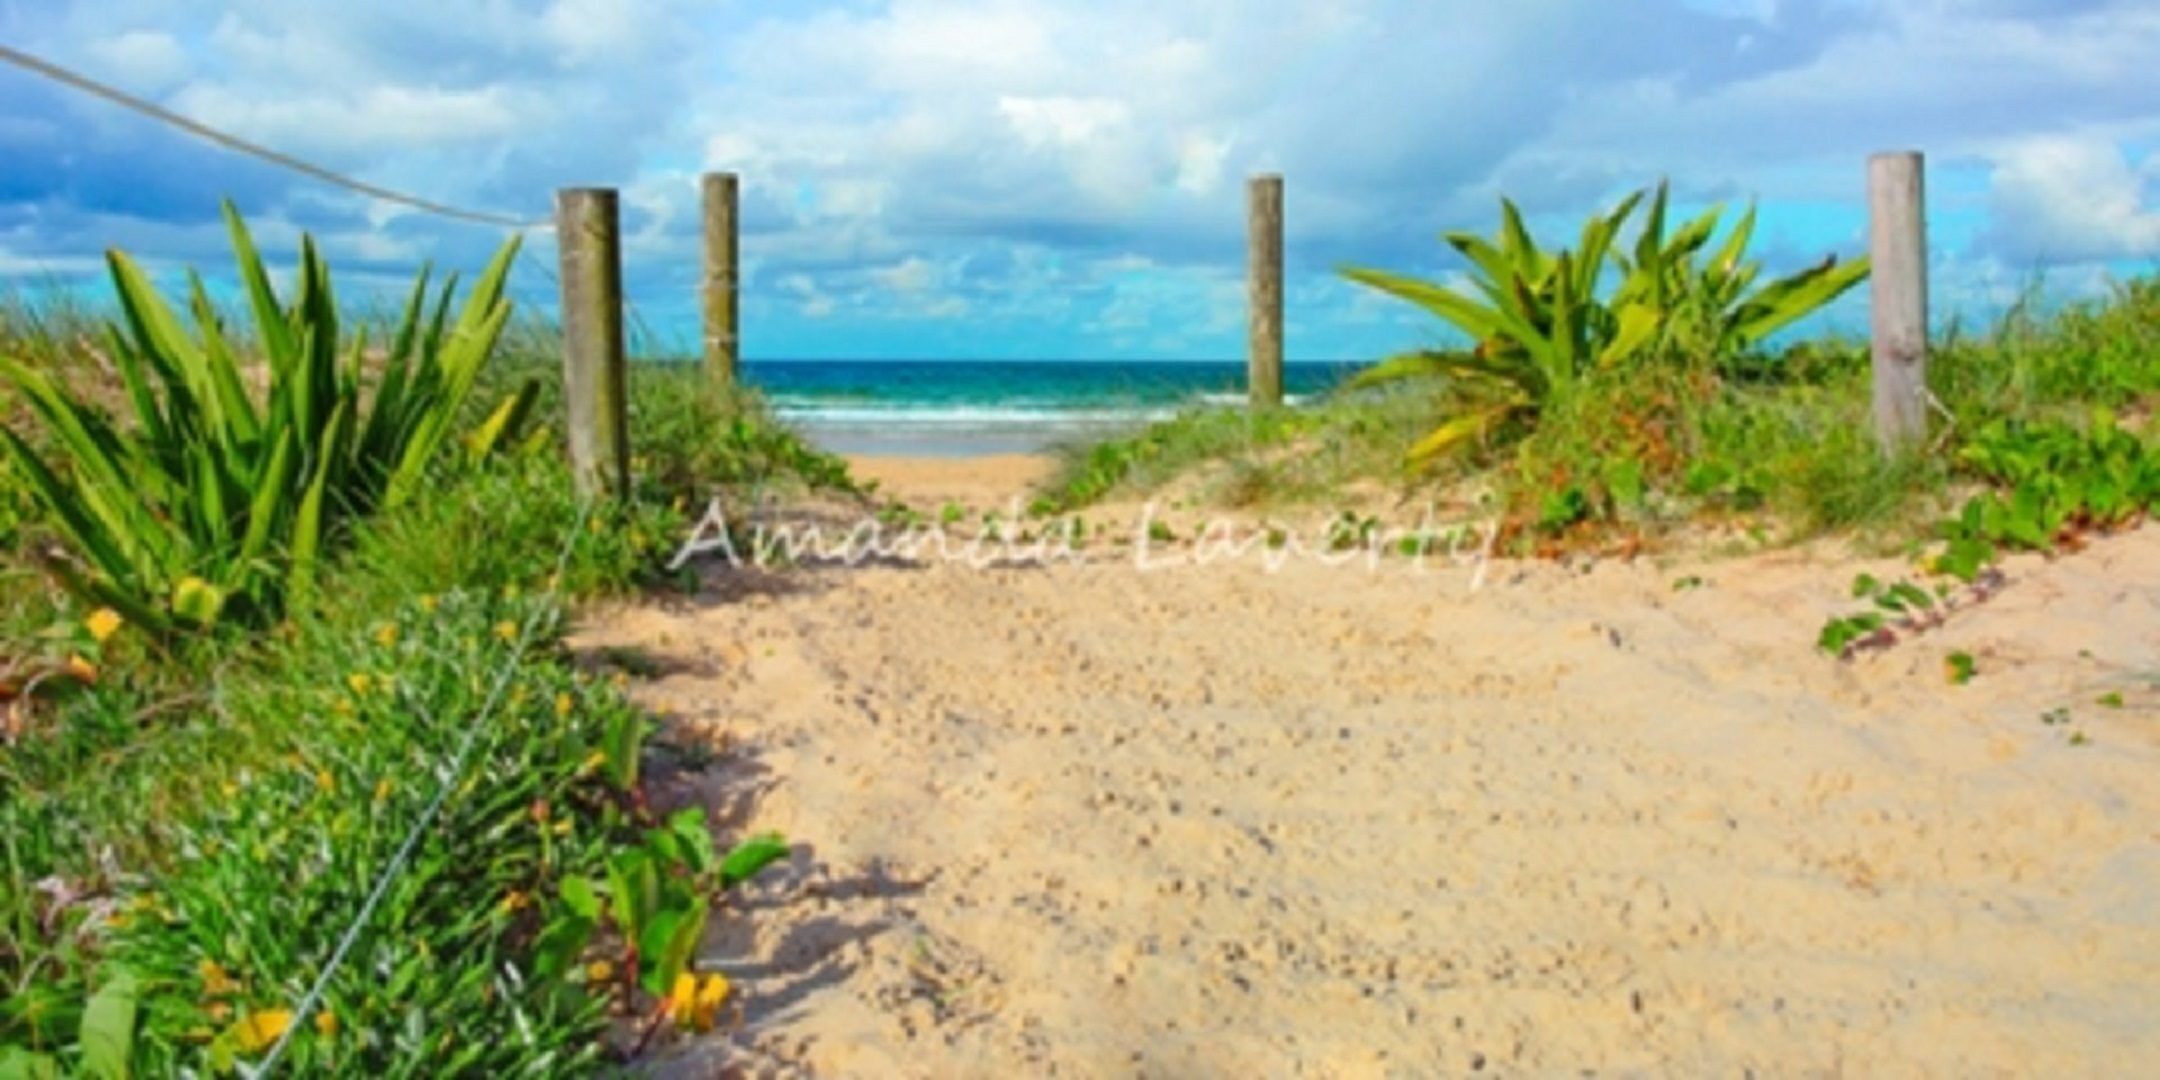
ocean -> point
(963, 408)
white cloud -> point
(371, 119)
(1200, 163)
(1063, 121)
(614, 31)
(812, 301)
(2072, 199)
(911, 275)
(999, 155)
(149, 60)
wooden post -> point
(1264, 269)
(1897, 252)
(595, 382)
(723, 343)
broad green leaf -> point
(693, 839)
(1638, 325)
(751, 856)
(1455, 432)
(580, 897)
(1472, 318)
(108, 1029)
(308, 522)
(271, 325)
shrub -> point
(211, 502)
(1540, 325)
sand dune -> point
(1086, 820)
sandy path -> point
(1086, 820)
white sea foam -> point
(927, 415)
(981, 415)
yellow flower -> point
(324, 780)
(694, 1002)
(255, 1033)
(229, 789)
(358, 681)
(512, 901)
(599, 971)
(712, 991)
(506, 630)
(102, 623)
(682, 1000)
(382, 789)
(386, 635)
(326, 1023)
(563, 703)
(216, 983)
(429, 603)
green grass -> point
(1781, 442)
(1242, 458)
(192, 832)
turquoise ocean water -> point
(953, 408)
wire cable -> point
(233, 142)
(313, 999)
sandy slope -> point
(1332, 821)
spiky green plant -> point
(1540, 323)
(216, 501)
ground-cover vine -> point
(2045, 486)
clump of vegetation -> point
(193, 821)
(1294, 454)
(2046, 486)
(1609, 432)
(1541, 326)
(211, 499)
(693, 440)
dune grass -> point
(1781, 441)
(188, 822)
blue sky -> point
(1064, 178)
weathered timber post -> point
(723, 341)
(1264, 269)
(1897, 253)
(595, 382)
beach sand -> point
(1089, 820)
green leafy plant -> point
(2050, 482)
(1540, 319)
(215, 501)
(1901, 604)
(1959, 668)
(655, 903)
